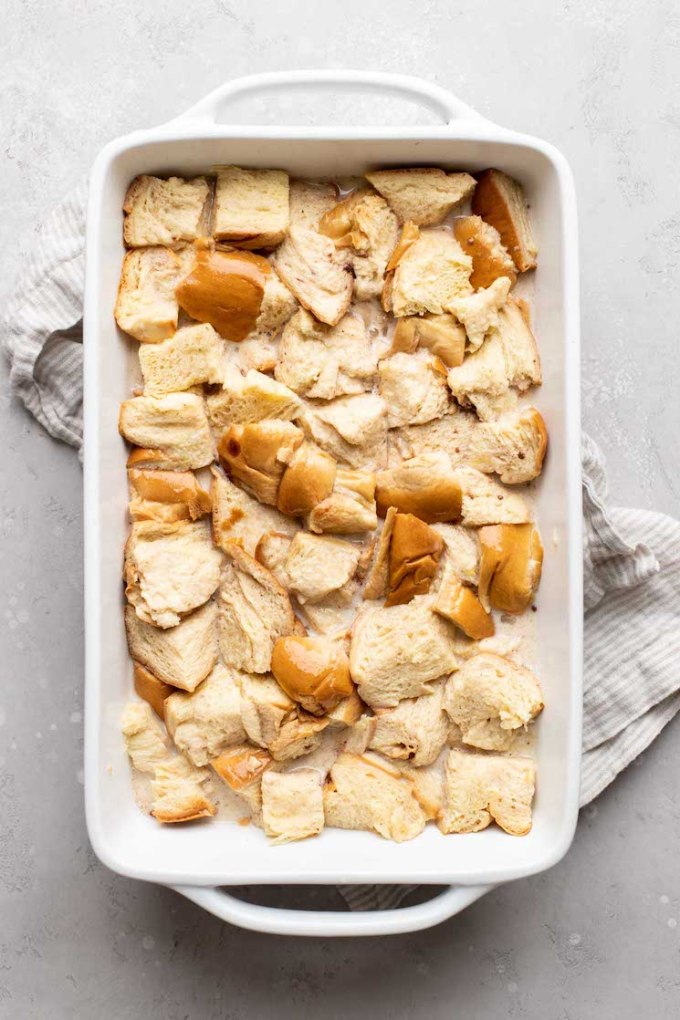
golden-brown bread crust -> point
(378, 579)
(424, 486)
(257, 454)
(313, 671)
(415, 551)
(458, 603)
(338, 222)
(225, 288)
(440, 334)
(500, 201)
(166, 495)
(510, 566)
(307, 480)
(151, 689)
(482, 242)
(241, 765)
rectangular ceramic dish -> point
(201, 857)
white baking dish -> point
(204, 856)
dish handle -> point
(438, 100)
(329, 923)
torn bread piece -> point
(309, 201)
(239, 517)
(146, 306)
(510, 566)
(271, 551)
(486, 501)
(332, 615)
(309, 265)
(431, 275)
(462, 551)
(513, 447)
(164, 212)
(364, 223)
(181, 656)
(346, 713)
(316, 565)
(366, 792)
(264, 707)
(451, 434)
(251, 208)
(205, 723)
(424, 196)
(254, 610)
(425, 486)
(397, 652)
(241, 765)
(352, 429)
(313, 671)
(172, 431)
(249, 398)
(300, 735)
(193, 356)
(322, 362)
(479, 311)
(441, 335)
(350, 509)
(170, 569)
(482, 242)
(151, 689)
(415, 551)
(292, 805)
(166, 496)
(416, 730)
(500, 201)
(378, 577)
(414, 388)
(259, 350)
(458, 603)
(145, 740)
(484, 788)
(257, 454)
(308, 480)
(178, 795)
(490, 698)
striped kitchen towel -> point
(631, 557)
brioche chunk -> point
(308, 264)
(300, 734)
(146, 306)
(458, 603)
(254, 610)
(170, 569)
(479, 311)
(264, 706)
(441, 335)
(484, 788)
(414, 388)
(482, 242)
(312, 671)
(307, 480)
(490, 698)
(241, 765)
(510, 566)
(145, 741)
(194, 355)
(292, 805)
(451, 434)
(350, 508)
(366, 793)
(174, 431)
(416, 730)
(257, 455)
(424, 486)
(322, 362)
(462, 551)
(177, 792)
(181, 656)
(432, 274)
(513, 447)
(166, 496)
(309, 201)
(365, 223)
(424, 196)
(486, 501)
(239, 517)
(352, 429)
(397, 652)
(318, 564)
(151, 689)
(164, 211)
(250, 398)
(225, 289)
(251, 207)
(206, 722)
(378, 577)
(415, 551)
(500, 201)
(259, 350)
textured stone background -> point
(598, 935)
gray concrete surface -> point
(596, 936)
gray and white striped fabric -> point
(631, 557)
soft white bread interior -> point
(259, 350)
(416, 730)
(181, 656)
(513, 446)
(482, 242)
(431, 275)
(425, 486)
(166, 496)
(309, 265)
(321, 362)
(316, 565)
(172, 431)
(478, 312)
(309, 201)
(462, 551)
(250, 397)
(365, 792)
(254, 610)
(193, 356)
(264, 707)
(178, 795)
(490, 698)
(352, 429)
(397, 652)
(510, 566)
(350, 509)
(170, 569)
(251, 207)
(486, 501)
(451, 434)
(414, 388)
(145, 740)
(424, 195)
(164, 212)
(146, 306)
(205, 723)
(239, 517)
(378, 578)
(483, 788)
(292, 805)
(500, 201)
(364, 223)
